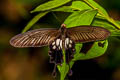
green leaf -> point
(33, 21)
(92, 3)
(64, 69)
(95, 51)
(115, 32)
(107, 25)
(64, 9)
(80, 18)
(83, 5)
(80, 5)
(103, 23)
(101, 11)
(50, 5)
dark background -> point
(33, 63)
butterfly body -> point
(62, 42)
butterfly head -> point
(63, 25)
(63, 28)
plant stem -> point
(56, 17)
(101, 13)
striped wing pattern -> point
(35, 38)
(87, 34)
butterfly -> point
(60, 39)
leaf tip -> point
(32, 11)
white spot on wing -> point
(61, 44)
(70, 45)
(70, 41)
(53, 43)
(57, 42)
(65, 45)
(59, 47)
(67, 40)
(54, 47)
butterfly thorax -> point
(63, 35)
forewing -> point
(35, 38)
(87, 33)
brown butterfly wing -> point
(87, 33)
(35, 38)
